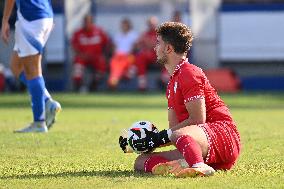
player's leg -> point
(18, 71)
(146, 162)
(198, 138)
(36, 86)
(118, 66)
(99, 66)
(201, 147)
(52, 107)
(16, 67)
(219, 144)
(224, 142)
(78, 72)
(115, 70)
(23, 35)
(27, 53)
(131, 68)
(30, 38)
(192, 142)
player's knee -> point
(16, 70)
(193, 131)
(78, 70)
(175, 135)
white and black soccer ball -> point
(137, 131)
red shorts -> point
(224, 144)
(98, 63)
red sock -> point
(190, 150)
(152, 161)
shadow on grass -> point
(107, 174)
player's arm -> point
(5, 29)
(173, 121)
(9, 5)
(172, 118)
(197, 114)
(154, 137)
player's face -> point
(88, 22)
(125, 26)
(152, 23)
(160, 49)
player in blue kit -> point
(33, 26)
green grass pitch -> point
(81, 150)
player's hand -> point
(123, 143)
(5, 31)
(151, 141)
(147, 144)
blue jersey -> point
(35, 9)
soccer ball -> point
(137, 131)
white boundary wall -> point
(251, 36)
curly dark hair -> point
(176, 34)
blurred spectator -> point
(145, 52)
(89, 44)
(121, 64)
(177, 16)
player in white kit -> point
(33, 26)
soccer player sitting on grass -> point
(200, 124)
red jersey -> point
(148, 40)
(90, 42)
(187, 83)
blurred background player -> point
(200, 124)
(121, 64)
(177, 16)
(145, 52)
(33, 26)
(89, 44)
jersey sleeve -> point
(192, 84)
